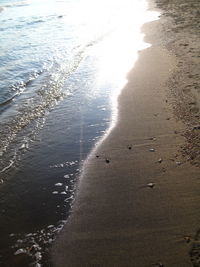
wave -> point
(26, 111)
(18, 88)
(7, 167)
(7, 101)
(48, 90)
(34, 22)
(18, 4)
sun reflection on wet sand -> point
(116, 55)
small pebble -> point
(197, 127)
(151, 185)
(160, 160)
(187, 239)
(152, 150)
(107, 161)
(152, 138)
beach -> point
(137, 202)
(59, 78)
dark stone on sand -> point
(192, 103)
(197, 127)
(187, 239)
(151, 185)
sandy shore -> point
(140, 207)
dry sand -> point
(180, 33)
(141, 207)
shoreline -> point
(140, 208)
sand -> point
(181, 34)
(138, 198)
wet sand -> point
(138, 200)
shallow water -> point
(62, 66)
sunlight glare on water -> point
(118, 53)
(63, 64)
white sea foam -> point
(20, 251)
(68, 199)
(7, 167)
(38, 256)
(17, 4)
(58, 184)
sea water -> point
(62, 66)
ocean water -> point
(62, 66)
